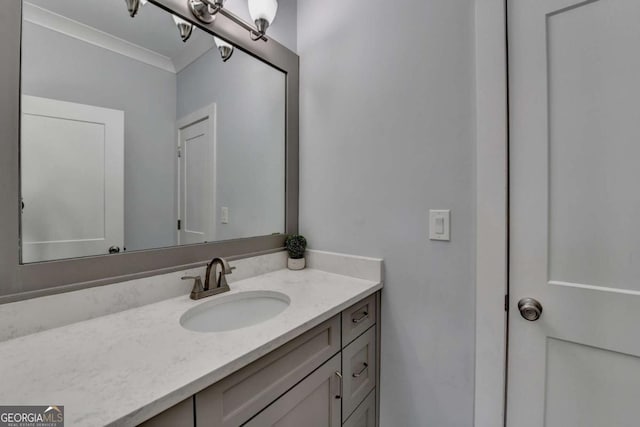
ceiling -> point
(152, 28)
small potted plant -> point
(296, 245)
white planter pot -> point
(296, 264)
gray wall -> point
(250, 162)
(64, 68)
(387, 133)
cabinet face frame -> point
(23, 281)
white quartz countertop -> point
(124, 368)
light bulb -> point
(263, 9)
(144, 2)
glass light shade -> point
(144, 2)
(221, 43)
(263, 9)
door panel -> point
(593, 144)
(575, 247)
(194, 151)
(197, 178)
(72, 161)
(573, 400)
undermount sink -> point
(229, 312)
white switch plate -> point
(224, 215)
(440, 225)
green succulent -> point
(296, 245)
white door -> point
(196, 187)
(575, 212)
(72, 172)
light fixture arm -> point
(253, 31)
(206, 10)
(261, 26)
(215, 5)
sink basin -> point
(226, 313)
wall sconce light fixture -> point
(263, 12)
(225, 49)
(184, 27)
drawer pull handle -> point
(357, 374)
(361, 318)
(339, 375)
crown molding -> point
(61, 24)
(197, 47)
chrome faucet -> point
(220, 280)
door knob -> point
(530, 309)
(114, 250)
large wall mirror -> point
(134, 139)
(138, 146)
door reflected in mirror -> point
(133, 139)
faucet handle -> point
(197, 285)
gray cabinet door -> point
(365, 414)
(240, 396)
(178, 415)
(359, 369)
(314, 402)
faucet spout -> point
(220, 279)
(221, 285)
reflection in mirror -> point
(133, 139)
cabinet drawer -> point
(358, 318)
(315, 402)
(365, 414)
(178, 415)
(359, 371)
(237, 398)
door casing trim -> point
(492, 192)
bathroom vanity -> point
(314, 363)
(325, 377)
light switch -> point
(224, 215)
(439, 225)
